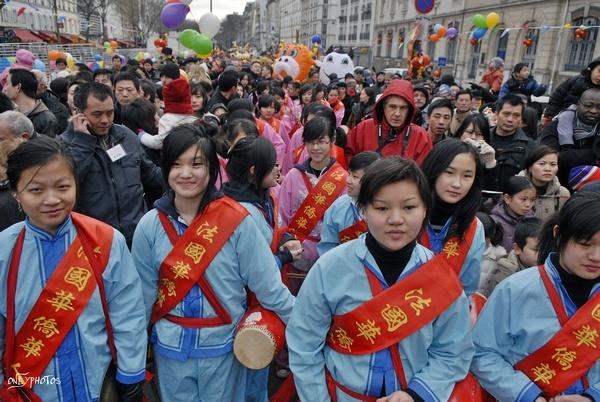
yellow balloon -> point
(70, 62)
(567, 26)
(492, 19)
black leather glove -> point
(129, 392)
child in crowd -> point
(493, 250)
(517, 203)
(523, 254)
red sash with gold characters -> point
(397, 312)
(571, 352)
(454, 251)
(191, 255)
(319, 198)
(62, 300)
(352, 232)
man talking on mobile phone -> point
(112, 169)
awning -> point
(78, 39)
(65, 38)
(27, 36)
(47, 36)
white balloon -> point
(187, 2)
(209, 25)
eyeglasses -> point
(321, 143)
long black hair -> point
(182, 138)
(577, 221)
(248, 152)
(35, 153)
(438, 160)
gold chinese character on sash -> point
(319, 199)
(337, 176)
(596, 313)
(170, 286)
(207, 232)
(368, 330)
(302, 222)
(46, 326)
(328, 187)
(181, 270)
(419, 303)
(32, 346)
(564, 357)
(195, 251)
(62, 301)
(394, 316)
(78, 277)
(160, 299)
(451, 248)
(543, 373)
(345, 239)
(81, 252)
(586, 336)
(343, 339)
(310, 211)
(18, 375)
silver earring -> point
(19, 207)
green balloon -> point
(479, 21)
(202, 44)
(187, 37)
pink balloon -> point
(173, 14)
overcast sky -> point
(220, 7)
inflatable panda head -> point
(335, 65)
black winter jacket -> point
(112, 192)
(567, 94)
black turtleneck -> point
(391, 263)
(440, 213)
(579, 289)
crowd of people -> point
(156, 202)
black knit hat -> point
(170, 70)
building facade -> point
(554, 55)
(38, 16)
(356, 23)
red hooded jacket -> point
(411, 142)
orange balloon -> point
(434, 38)
(55, 54)
(114, 44)
(441, 32)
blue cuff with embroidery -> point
(127, 378)
(530, 393)
(422, 390)
(593, 393)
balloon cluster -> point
(53, 55)
(174, 12)
(141, 56)
(580, 34)
(201, 42)
(482, 24)
(110, 46)
(97, 63)
(160, 43)
(194, 40)
(440, 31)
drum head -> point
(254, 347)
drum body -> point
(259, 337)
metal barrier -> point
(81, 52)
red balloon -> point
(173, 1)
(473, 41)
